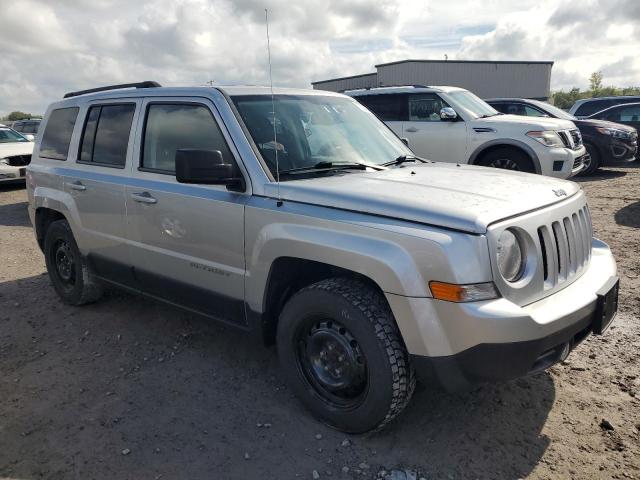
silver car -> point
(300, 217)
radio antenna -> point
(273, 108)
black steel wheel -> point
(343, 356)
(68, 270)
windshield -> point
(311, 129)
(473, 104)
(9, 136)
(554, 111)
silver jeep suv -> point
(300, 217)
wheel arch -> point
(492, 145)
(43, 218)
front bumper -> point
(9, 173)
(463, 344)
(560, 162)
(622, 151)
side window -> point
(514, 109)
(387, 107)
(501, 107)
(628, 114)
(57, 134)
(425, 107)
(106, 135)
(530, 111)
(172, 127)
(589, 108)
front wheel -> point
(592, 160)
(343, 355)
(507, 159)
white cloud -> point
(49, 48)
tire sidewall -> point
(377, 398)
(521, 160)
(595, 159)
(60, 230)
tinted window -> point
(171, 127)
(501, 107)
(388, 107)
(425, 107)
(629, 113)
(106, 134)
(30, 127)
(57, 135)
(589, 108)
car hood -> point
(603, 123)
(542, 123)
(15, 148)
(464, 197)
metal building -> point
(487, 79)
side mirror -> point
(207, 167)
(448, 114)
(405, 141)
(29, 137)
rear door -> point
(97, 183)
(391, 108)
(187, 241)
(430, 137)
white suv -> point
(450, 124)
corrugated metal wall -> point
(348, 83)
(487, 80)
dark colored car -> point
(588, 106)
(26, 126)
(627, 114)
(607, 143)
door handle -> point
(144, 197)
(77, 185)
(411, 130)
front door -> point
(187, 241)
(430, 137)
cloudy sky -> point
(48, 47)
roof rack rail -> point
(147, 84)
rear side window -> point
(388, 107)
(57, 134)
(106, 135)
(171, 127)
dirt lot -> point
(129, 388)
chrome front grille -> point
(571, 138)
(566, 247)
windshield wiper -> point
(487, 115)
(324, 166)
(404, 159)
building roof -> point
(345, 78)
(508, 62)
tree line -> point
(565, 100)
(17, 115)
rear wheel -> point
(343, 355)
(507, 159)
(67, 268)
(592, 160)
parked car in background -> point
(588, 106)
(607, 143)
(450, 124)
(27, 126)
(627, 114)
(298, 216)
(15, 155)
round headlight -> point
(510, 256)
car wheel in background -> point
(507, 159)
(592, 160)
(343, 355)
(67, 268)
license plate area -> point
(606, 306)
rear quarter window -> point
(57, 134)
(388, 107)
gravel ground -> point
(130, 388)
